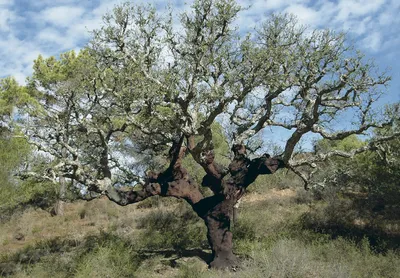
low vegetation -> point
(300, 234)
(119, 121)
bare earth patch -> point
(273, 194)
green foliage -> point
(268, 239)
(178, 228)
(105, 255)
(347, 144)
(13, 152)
(16, 153)
(373, 174)
(81, 105)
(244, 229)
(112, 258)
(221, 150)
(50, 71)
(382, 177)
(335, 258)
(361, 196)
(280, 180)
(191, 269)
(14, 149)
(21, 196)
(12, 95)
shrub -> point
(303, 196)
(177, 228)
(108, 260)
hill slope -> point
(163, 238)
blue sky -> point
(50, 27)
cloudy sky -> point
(49, 27)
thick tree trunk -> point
(217, 211)
(218, 221)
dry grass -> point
(79, 220)
(109, 238)
(284, 195)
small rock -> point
(19, 236)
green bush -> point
(156, 202)
(178, 228)
(244, 229)
(104, 255)
(191, 269)
(113, 259)
(303, 196)
(17, 194)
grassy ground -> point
(279, 233)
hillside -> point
(163, 238)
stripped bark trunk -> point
(217, 211)
(219, 235)
(221, 214)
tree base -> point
(224, 260)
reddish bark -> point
(219, 235)
(217, 210)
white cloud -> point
(56, 36)
(6, 2)
(373, 41)
(356, 8)
(66, 24)
(390, 48)
(262, 6)
(83, 27)
(62, 16)
(385, 18)
(47, 3)
(257, 10)
(305, 15)
(104, 8)
(358, 27)
(17, 57)
(5, 17)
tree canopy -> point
(148, 89)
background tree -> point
(385, 171)
(16, 154)
(147, 90)
(374, 173)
